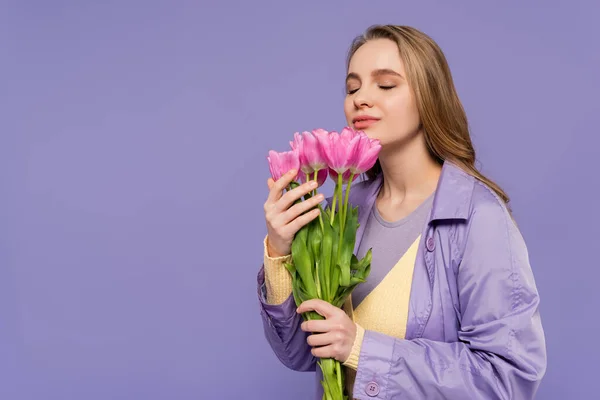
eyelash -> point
(381, 87)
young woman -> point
(450, 308)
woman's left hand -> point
(332, 337)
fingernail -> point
(292, 172)
(313, 184)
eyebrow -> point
(375, 73)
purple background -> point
(133, 139)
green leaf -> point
(354, 280)
(302, 260)
(290, 267)
(366, 260)
(325, 261)
(296, 291)
(334, 270)
(315, 236)
(348, 242)
(335, 280)
(354, 262)
(363, 268)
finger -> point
(324, 352)
(270, 183)
(316, 326)
(280, 184)
(321, 339)
(298, 209)
(299, 222)
(321, 307)
(290, 197)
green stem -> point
(318, 281)
(332, 379)
(339, 252)
(314, 194)
(321, 218)
(341, 200)
(334, 202)
(347, 196)
(339, 376)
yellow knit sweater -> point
(384, 309)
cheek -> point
(403, 110)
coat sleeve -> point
(500, 352)
(281, 325)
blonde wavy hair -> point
(443, 118)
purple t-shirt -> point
(389, 241)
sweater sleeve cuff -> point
(278, 280)
(352, 361)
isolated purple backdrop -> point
(132, 165)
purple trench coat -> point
(474, 328)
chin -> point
(368, 131)
(372, 134)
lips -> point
(364, 121)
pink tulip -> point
(366, 153)
(282, 163)
(311, 157)
(311, 154)
(339, 149)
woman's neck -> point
(409, 173)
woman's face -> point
(379, 100)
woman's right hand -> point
(284, 221)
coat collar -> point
(452, 198)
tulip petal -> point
(281, 163)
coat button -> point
(430, 244)
(372, 389)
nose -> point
(362, 99)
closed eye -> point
(380, 86)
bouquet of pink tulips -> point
(323, 264)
